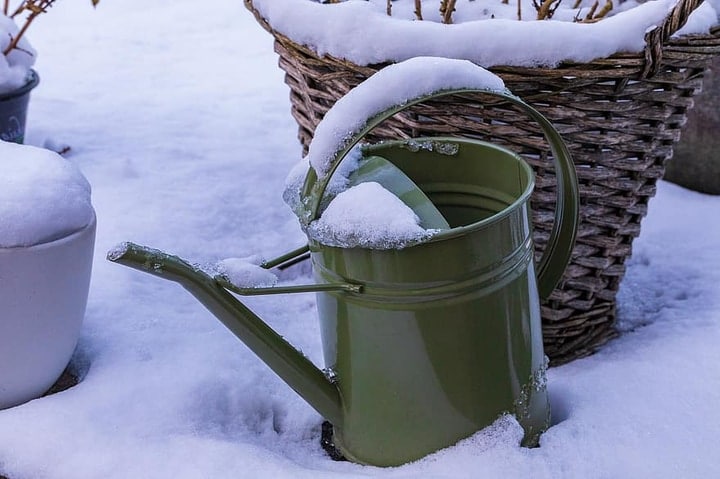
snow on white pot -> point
(47, 238)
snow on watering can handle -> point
(559, 246)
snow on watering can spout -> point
(428, 341)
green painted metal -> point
(287, 258)
(440, 338)
(300, 288)
(446, 335)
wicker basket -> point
(620, 117)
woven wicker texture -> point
(619, 116)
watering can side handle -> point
(288, 259)
(284, 359)
(562, 238)
(282, 262)
(300, 288)
(558, 249)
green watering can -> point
(427, 344)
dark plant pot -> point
(13, 110)
(696, 161)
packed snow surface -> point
(43, 196)
(178, 116)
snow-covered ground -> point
(177, 114)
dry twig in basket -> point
(447, 7)
(593, 17)
(546, 9)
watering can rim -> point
(457, 231)
(558, 248)
(315, 184)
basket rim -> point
(657, 39)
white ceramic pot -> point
(43, 294)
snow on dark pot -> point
(13, 110)
(46, 249)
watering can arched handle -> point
(562, 238)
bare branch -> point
(546, 9)
(593, 17)
(449, 9)
(605, 9)
(591, 12)
(418, 9)
(35, 7)
(443, 7)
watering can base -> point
(530, 440)
(328, 444)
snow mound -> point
(246, 272)
(368, 216)
(43, 196)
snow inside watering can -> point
(430, 321)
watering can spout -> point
(286, 361)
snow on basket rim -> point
(379, 38)
(394, 85)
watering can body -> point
(445, 336)
(426, 344)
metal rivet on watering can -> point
(432, 342)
